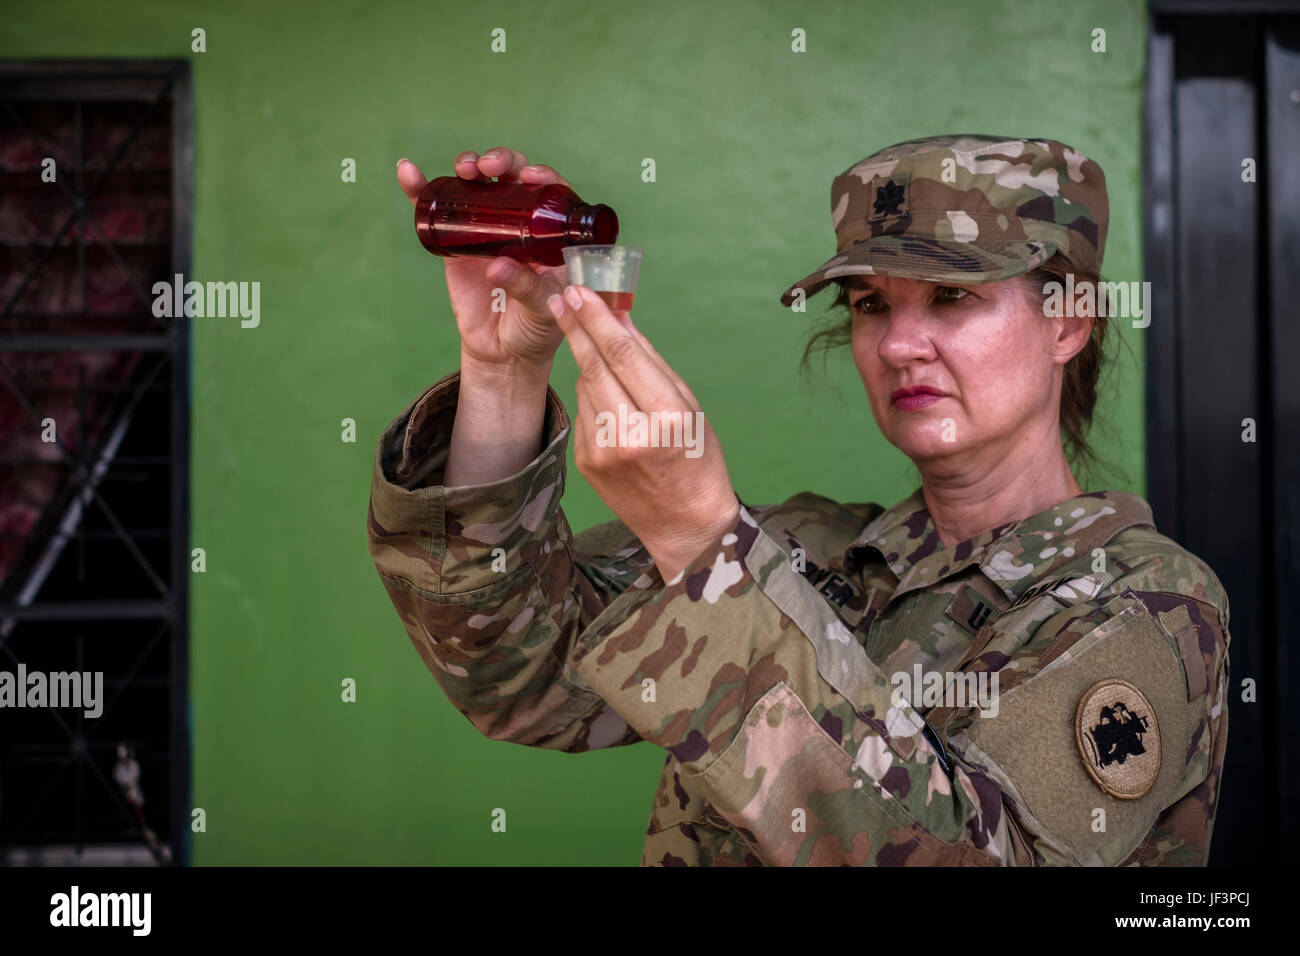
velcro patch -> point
(1118, 737)
(1193, 663)
(1179, 623)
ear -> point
(1073, 329)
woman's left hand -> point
(675, 499)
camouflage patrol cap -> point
(964, 208)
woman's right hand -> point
(525, 336)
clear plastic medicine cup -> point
(608, 271)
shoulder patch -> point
(1118, 737)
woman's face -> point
(996, 359)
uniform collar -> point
(1014, 556)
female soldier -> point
(933, 683)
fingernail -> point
(556, 305)
(503, 271)
(574, 296)
(402, 160)
(531, 169)
(491, 154)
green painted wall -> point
(355, 323)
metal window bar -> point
(160, 89)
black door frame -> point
(1223, 259)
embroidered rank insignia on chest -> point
(1119, 740)
(971, 610)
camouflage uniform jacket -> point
(769, 670)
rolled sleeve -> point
(489, 582)
(451, 540)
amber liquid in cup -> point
(606, 269)
(617, 301)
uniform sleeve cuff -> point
(412, 453)
(460, 527)
(728, 549)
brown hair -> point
(1082, 372)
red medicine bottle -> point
(529, 222)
